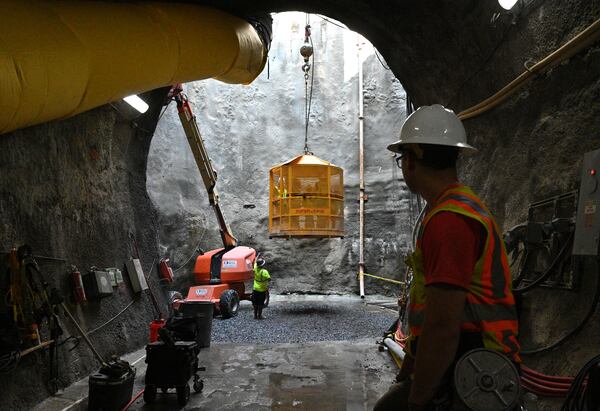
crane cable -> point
(307, 52)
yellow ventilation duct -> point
(60, 58)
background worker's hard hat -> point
(260, 262)
(432, 125)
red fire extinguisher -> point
(78, 290)
(165, 271)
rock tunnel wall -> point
(75, 190)
(531, 148)
(249, 129)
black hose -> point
(522, 264)
(576, 397)
(549, 270)
(575, 330)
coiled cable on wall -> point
(559, 257)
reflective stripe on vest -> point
(490, 304)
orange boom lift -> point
(221, 273)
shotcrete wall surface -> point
(75, 190)
(249, 129)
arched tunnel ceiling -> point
(432, 46)
(439, 49)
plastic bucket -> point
(110, 393)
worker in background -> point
(260, 288)
(460, 296)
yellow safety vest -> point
(490, 305)
(261, 279)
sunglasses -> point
(398, 158)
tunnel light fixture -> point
(507, 4)
(137, 103)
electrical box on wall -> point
(97, 284)
(136, 275)
(587, 229)
(116, 277)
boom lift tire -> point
(229, 303)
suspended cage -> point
(306, 198)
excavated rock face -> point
(75, 190)
(56, 197)
(247, 130)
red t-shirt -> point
(452, 244)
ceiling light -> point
(137, 103)
(507, 4)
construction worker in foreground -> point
(260, 287)
(460, 296)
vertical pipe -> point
(361, 158)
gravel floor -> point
(297, 319)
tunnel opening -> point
(249, 129)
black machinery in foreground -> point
(173, 359)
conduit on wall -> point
(583, 40)
(61, 58)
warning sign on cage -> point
(309, 211)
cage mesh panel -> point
(306, 200)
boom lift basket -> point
(306, 198)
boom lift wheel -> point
(229, 303)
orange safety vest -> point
(490, 305)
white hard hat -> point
(432, 125)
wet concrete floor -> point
(343, 375)
(323, 376)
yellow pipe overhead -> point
(61, 58)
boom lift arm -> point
(208, 173)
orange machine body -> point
(236, 266)
(213, 293)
